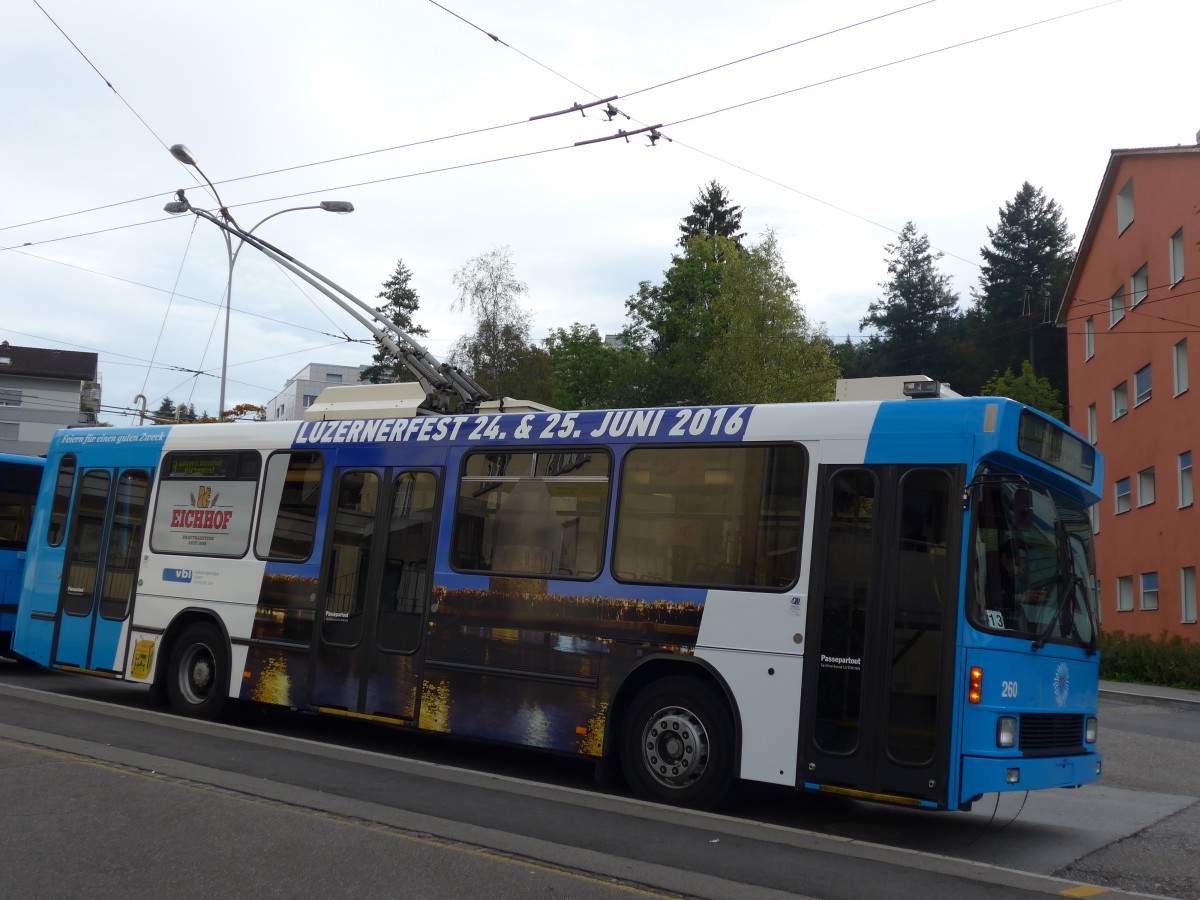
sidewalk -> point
(1150, 692)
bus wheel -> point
(677, 744)
(198, 672)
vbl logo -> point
(183, 575)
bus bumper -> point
(985, 775)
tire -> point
(198, 672)
(677, 744)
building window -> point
(1185, 479)
(333, 377)
(1122, 496)
(1181, 367)
(309, 400)
(1116, 307)
(10, 397)
(9, 431)
(1125, 207)
(1124, 593)
(1091, 423)
(1141, 385)
(1089, 338)
(1146, 486)
(1120, 400)
(1149, 590)
(1187, 592)
(1139, 286)
(1176, 254)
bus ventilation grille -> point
(1051, 734)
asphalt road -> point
(189, 809)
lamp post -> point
(181, 205)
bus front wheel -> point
(198, 676)
(677, 744)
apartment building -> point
(1132, 314)
(42, 391)
(302, 389)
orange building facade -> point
(1132, 314)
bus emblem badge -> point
(1062, 684)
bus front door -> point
(876, 711)
(104, 544)
(374, 596)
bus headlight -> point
(1006, 732)
(1090, 729)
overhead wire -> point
(555, 149)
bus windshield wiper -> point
(1066, 583)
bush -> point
(1167, 660)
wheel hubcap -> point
(197, 675)
(675, 747)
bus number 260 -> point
(1008, 689)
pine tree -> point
(1023, 277)
(915, 311)
(401, 305)
(712, 216)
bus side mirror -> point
(1023, 508)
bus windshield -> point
(1033, 564)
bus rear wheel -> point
(677, 744)
(198, 672)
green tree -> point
(401, 303)
(489, 289)
(592, 374)
(712, 216)
(914, 316)
(672, 322)
(763, 349)
(1025, 388)
(165, 411)
(1024, 274)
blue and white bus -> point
(892, 600)
(20, 479)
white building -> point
(303, 387)
(42, 391)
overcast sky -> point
(334, 91)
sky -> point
(429, 118)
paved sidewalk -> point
(1150, 692)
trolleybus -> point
(892, 600)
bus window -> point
(63, 486)
(712, 516)
(350, 558)
(18, 493)
(124, 544)
(539, 513)
(848, 570)
(287, 525)
(90, 507)
(205, 503)
(922, 588)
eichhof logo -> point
(1062, 684)
(201, 515)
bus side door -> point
(104, 544)
(876, 711)
(374, 595)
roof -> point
(1107, 184)
(37, 362)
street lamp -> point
(181, 205)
